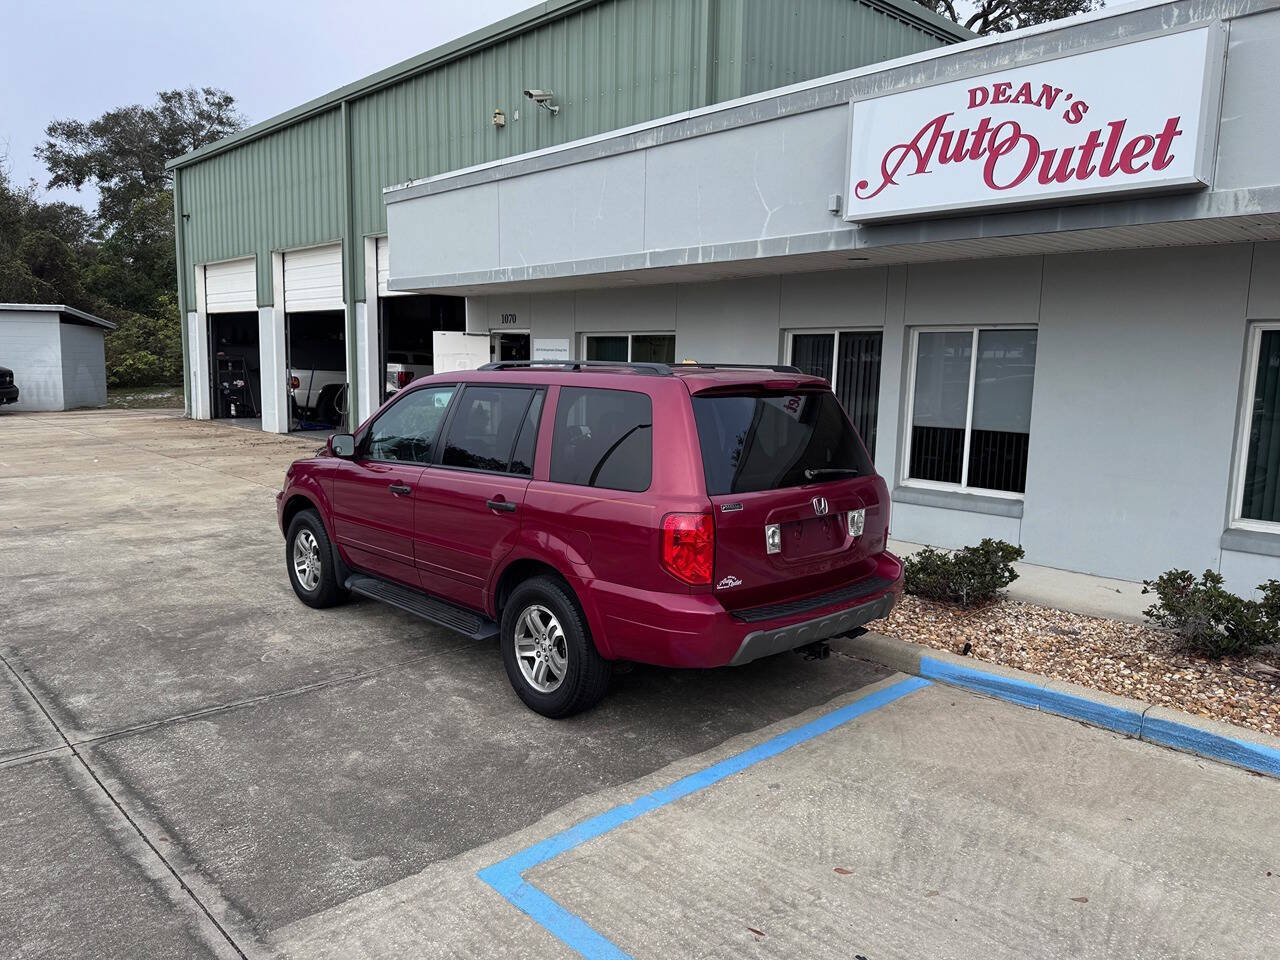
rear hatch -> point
(790, 459)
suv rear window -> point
(603, 438)
(758, 441)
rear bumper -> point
(765, 643)
(9, 394)
(695, 630)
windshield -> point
(759, 441)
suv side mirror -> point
(342, 445)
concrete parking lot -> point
(192, 763)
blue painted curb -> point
(1239, 753)
(1186, 737)
(1030, 694)
(507, 876)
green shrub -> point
(1211, 620)
(970, 576)
(144, 351)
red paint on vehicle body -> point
(608, 545)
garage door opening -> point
(237, 368)
(406, 327)
(317, 370)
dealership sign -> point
(1131, 118)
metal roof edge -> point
(59, 308)
(513, 25)
(486, 36)
(923, 16)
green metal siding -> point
(611, 64)
(790, 41)
(725, 52)
(275, 193)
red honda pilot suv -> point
(693, 515)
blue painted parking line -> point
(507, 876)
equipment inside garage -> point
(316, 349)
(237, 365)
(235, 361)
(407, 323)
(317, 369)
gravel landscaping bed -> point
(1126, 659)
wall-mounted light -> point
(543, 99)
(499, 118)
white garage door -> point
(231, 286)
(313, 279)
(384, 269)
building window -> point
(1258, 492)
(970, 408)
(632, 347)
(850, 360)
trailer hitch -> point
(818, 650)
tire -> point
(584, 675)
(317, 585)
(331, 407)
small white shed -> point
(56, 354)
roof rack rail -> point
(775, 367)
(651, 369)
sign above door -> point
(1136, 117)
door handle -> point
(400, 489)
(506, 506)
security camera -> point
(543, 99)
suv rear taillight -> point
(404, 378)
(689, 547)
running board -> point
(440, 612)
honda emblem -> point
(820, 506)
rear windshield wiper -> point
(828, 471)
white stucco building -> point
(56, 355)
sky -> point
(80, 58)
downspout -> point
(180, 254)
(349, 270)
(710, 27)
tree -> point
(43, 248)
(123, 152)
(118, 263)
(1001, 16)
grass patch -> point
(143, 398)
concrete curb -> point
(1213, 739)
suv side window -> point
(603, 438)
(527, 442)
(407, 430)
(483, 431)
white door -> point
(231, 286)
(384, 268)
(453, 350)
(313, 279)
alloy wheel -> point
(541, 648)
(306, 560)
